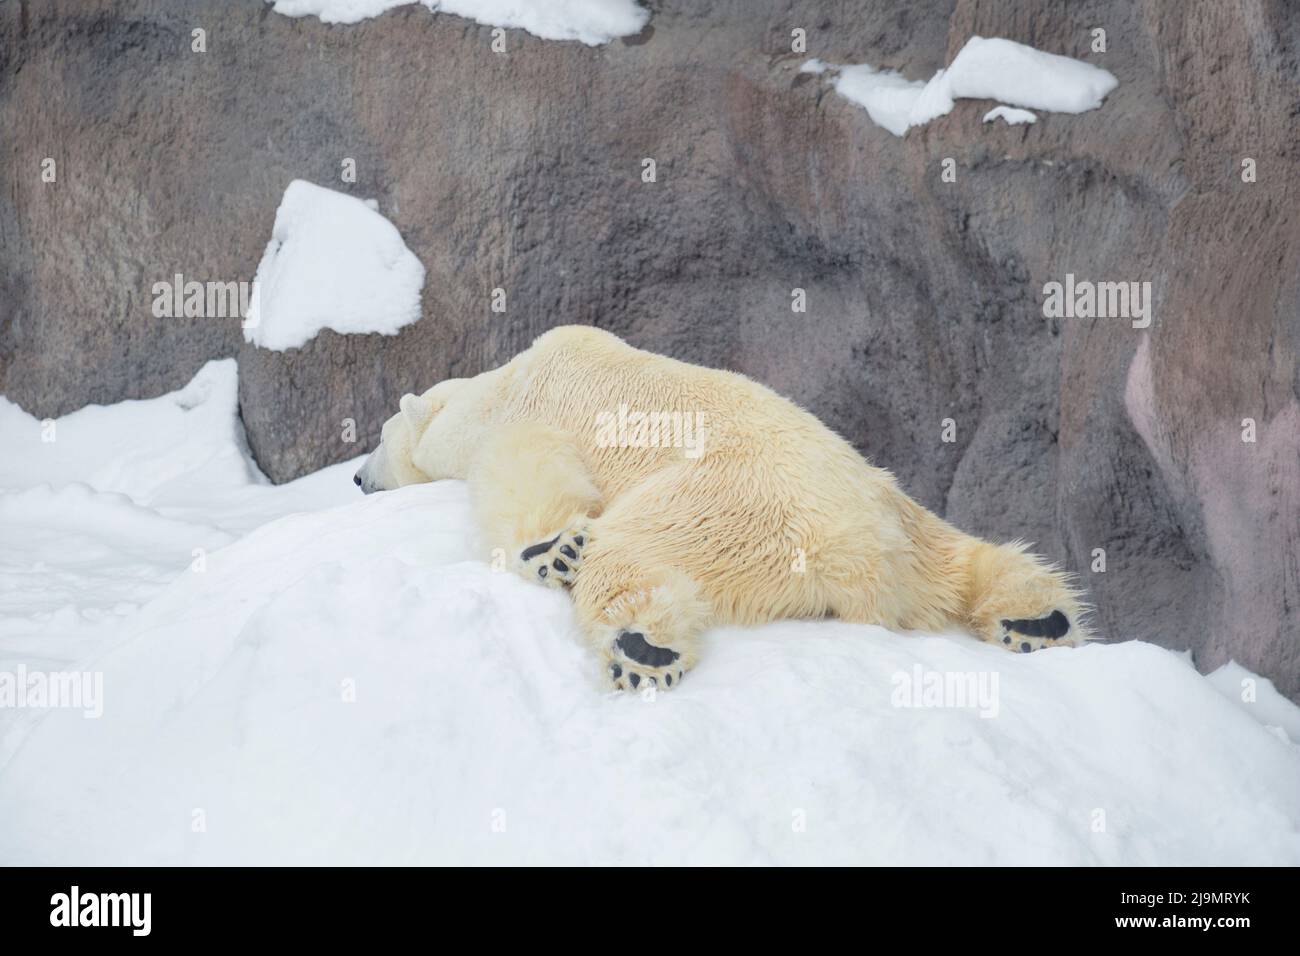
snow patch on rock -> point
(985, 68)
(1011, 115)
(333, 262)
(593, 22)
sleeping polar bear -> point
(668, 497)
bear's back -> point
(592, 376)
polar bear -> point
(667, 497)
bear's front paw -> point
(555, 563)
(634, 663)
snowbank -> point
(349, 684)
(333, 262)
(995, 69)
(102, 510)
(592, 22)
(141, 448)
(1258, 697)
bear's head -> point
(431, 437)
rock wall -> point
(522, 172)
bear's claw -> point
(555, 563)
(634, 678)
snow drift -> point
(348, 683)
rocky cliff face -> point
(522, 171)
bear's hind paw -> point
(1021, 636)
(636, 664)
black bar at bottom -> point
(624, 907)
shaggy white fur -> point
(669, 497)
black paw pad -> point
(568, 552)
(615, 671)
(635, 678)
(1055, 625)
(559, 565)
(529, 553)
(578, 539)
(1024, 647)
(635, 646)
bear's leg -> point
(642, 621)
(534, 499)
(638, 599)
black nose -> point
(356, 480)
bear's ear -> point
(417, 411)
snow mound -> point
(142, 449)
(592, 22)
(333, 262)
(351, 686)
(75, 552)
(992, 68)
(1260, 698)
(101, 509)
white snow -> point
(592, 22)
(1012, 116)
(333, 262)
(1013, 73)
(336, 11)
(101, 511)
(349, 683)
(1258, 697)
(887, 96)
(994, 68)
